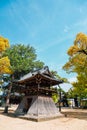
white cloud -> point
(72, 79)
(66, 29)
(73, 29)
(15, 11)
(55, 41)
(67, 86)
(54, 66)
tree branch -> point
(83, 51)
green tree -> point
(57, 96)
(23, 59)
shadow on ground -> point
(70, 113)
(80, 114)
(9, 114)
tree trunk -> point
(7, 99)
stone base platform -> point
(39, 108)
(40, 118)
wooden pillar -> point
(38, 81)
(59, 98)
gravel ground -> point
(75, 120)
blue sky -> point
(50, 26)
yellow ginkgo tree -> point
(80, 45)
(5, 67)
(4, 61)
(78, 63)
(77, 54)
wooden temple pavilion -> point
(37, 103)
